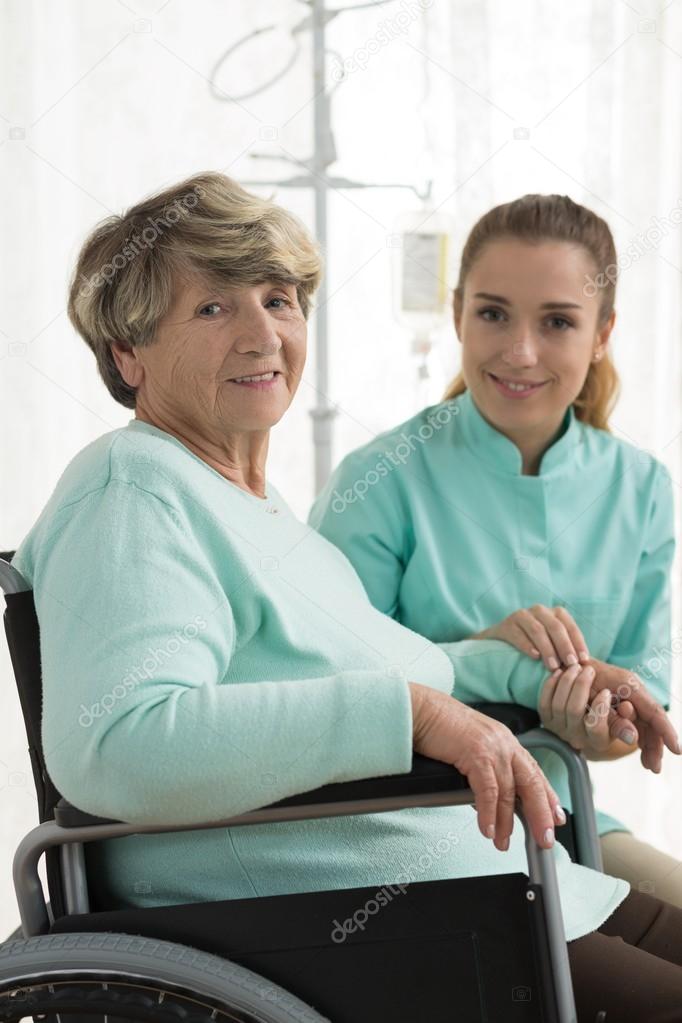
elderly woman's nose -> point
(255, 331)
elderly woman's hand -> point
(496, 765)
(538, 631)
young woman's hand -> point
(600, 706)
(633, 703)
(566, 708)
(547, 632)
(498, 768)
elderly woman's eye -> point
(280, 298)
(211, 305)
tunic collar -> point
(498, 452)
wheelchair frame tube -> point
(587, 836)
(541, 865)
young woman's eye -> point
(210, 305)
(482, 314)
(562, 320)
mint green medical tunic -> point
(449, 538)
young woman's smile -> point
(514, 388)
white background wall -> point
(103, 103)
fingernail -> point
(549, 836)
(505, 844)
(534, 652)
(559, 814)
(589, 671)
(571, 659)
(584, 656)
(553, 663)
(490, 831)
(628, 737)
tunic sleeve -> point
(643, 643)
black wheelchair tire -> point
(75, 975)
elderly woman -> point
(205, 653)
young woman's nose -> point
(521, 352)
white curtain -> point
(103, 103)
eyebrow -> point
(545, 305)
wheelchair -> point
(463, 950)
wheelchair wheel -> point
(98, 975)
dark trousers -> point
(630, 969)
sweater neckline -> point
(270, 503)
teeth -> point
(514, 386)
(263, 376)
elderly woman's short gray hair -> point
(208, 227)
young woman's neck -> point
(534, 442)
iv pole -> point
(324, 154)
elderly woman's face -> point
(211, 342)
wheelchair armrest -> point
(68, 816)
(427, 776)
(517, 718)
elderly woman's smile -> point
(260, 383)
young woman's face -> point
(528, 332)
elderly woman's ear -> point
(127, 362)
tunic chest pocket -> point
(599, 620)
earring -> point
(597, 356)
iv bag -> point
(421, 272)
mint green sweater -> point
(205, 653)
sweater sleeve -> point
(643, 643)
(491, 671)
(137, 634)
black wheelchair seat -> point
(405, 957)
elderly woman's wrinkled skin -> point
(186, 377)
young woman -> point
(508, 524)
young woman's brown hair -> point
(538, 218)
